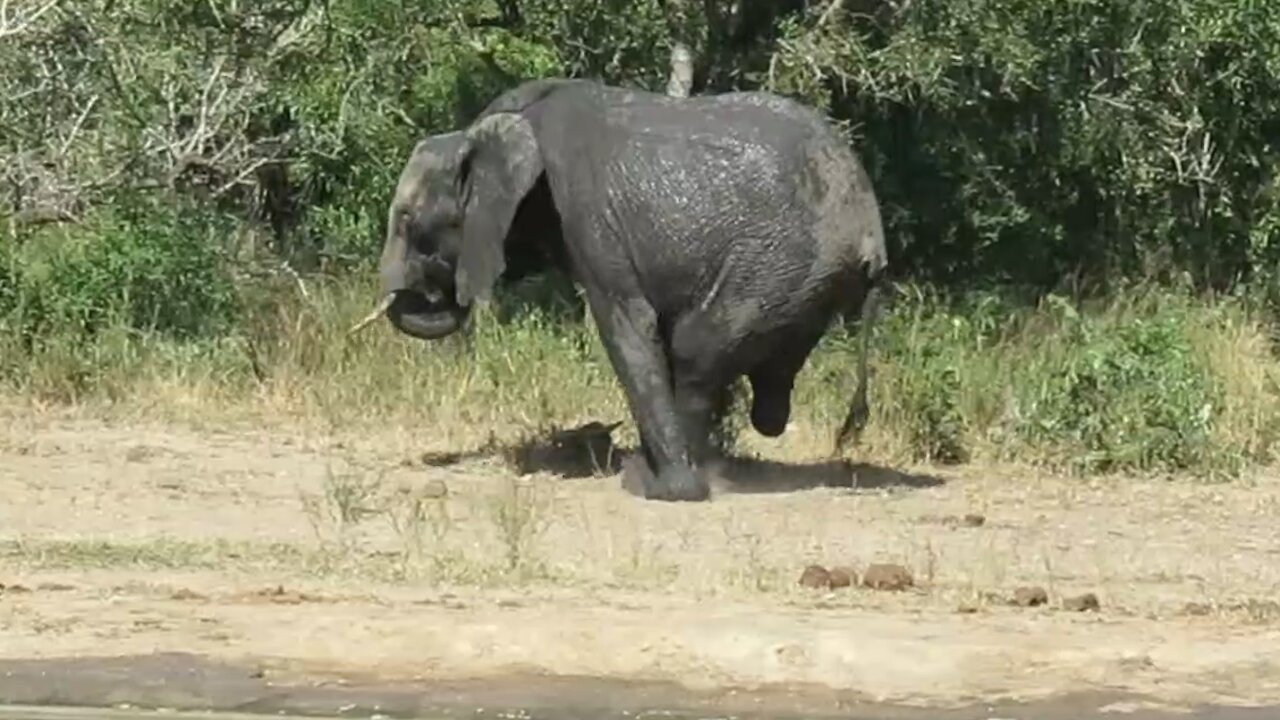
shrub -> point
(1148, 382)
(10, 279)
(157, 271)
(1120, 390)
(1047, 140)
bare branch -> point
(20, 21)
(830, 12)
(75, 129)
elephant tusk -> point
(377, 312)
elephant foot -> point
(674, 484)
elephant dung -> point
(815, 576)
(1030, 596)
(842, 577)
(887, 576)
(1081, 603)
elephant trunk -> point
(418, 292)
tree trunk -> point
(680, 72)
(680, 81)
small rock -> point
(1030, 596)
(1081, 603)
(279, 596)
(55, 587)
(886, 576)
(419, 489)
(185, 594)
(967, 608)
(1262, 609)
(440, 459)
(1197, 609)
(974, 520)
(842, 577)
(815, 576)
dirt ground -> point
(319, 555)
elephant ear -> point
(501, 163)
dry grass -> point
(1146, 383)
(1242, 363)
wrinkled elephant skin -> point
(714, 237)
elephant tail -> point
(859, 410)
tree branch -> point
(20, 21)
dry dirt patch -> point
(335, 553)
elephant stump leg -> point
(772, 382)
(629, 332)
(770, 405)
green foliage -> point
(1025, 142)
(1153, 383)
(157, 158)
(1131, 394)
(1125, 386)
(1037, 141)
(10, 277)
(157, 270)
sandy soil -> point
(301, 551)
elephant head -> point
(449, 221)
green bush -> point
(10, 279)
(1121, 392)
(156, 271)
(1116, 387)
(1065, 145)
(1052, 141)
(1040, 143)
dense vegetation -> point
(193, 195)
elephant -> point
(713, 237)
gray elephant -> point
(713, 237)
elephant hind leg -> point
(703, 406)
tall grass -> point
(1150, 381)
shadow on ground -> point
(580, 452)
(753, 475)
(181, 682)
(588, 451)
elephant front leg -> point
(629, 332)
(703, 405)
